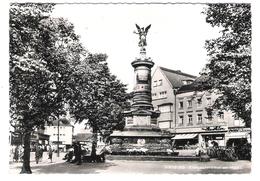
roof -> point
(176, 77)
(199, 84)
(63, 122)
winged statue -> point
(142, 32)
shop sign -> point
(213, 128)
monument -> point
(141, 120)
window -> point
(154, 121)
(199, 102)
(155, 83)
(181, 120)
(220, 116)
(199, 118)
(189, 81)
(209, 114)
(154, 94)
(209, 101)
(237, 122)
(189, 103)
(159, 82)
(163, 94)
(130, 121)
(181, 105)
(190, 119)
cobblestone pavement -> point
(131, 167)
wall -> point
(225, 120)
(65, 134)
(166, 118)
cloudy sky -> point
(175, 40)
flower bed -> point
(146, 149)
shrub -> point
(244, 152)
(227, 154)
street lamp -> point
(58, 149)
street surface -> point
(131, 167)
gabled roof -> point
(176, 77)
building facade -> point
(64, 137)
(165, 83)
(187, 112)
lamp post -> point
(58, 149)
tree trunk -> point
(94, 145)
(26, 153)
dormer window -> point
(186, 82)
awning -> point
(184, 136)
(237, 135)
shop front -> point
(238, 137)
(212, 139)
(185, 141)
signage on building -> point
(213, 128)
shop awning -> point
(184, 136)
(237, 135)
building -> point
(64, 136)
(165, 83)
(187, 112)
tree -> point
(229, 66)
(100, 97)
(43, 53)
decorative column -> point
(142, 114)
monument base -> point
(140, 140)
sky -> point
(175, 40)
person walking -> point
(41, 152)
(50, 151)
(16, 154)
(78, 154)
(37, 153)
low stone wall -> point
(152, 158)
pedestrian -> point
(70, 155)
(40, 152)
(75, 151)
(78, 154)
(50, 151)
(16, 154)
(37, 153)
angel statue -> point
(142, 32)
